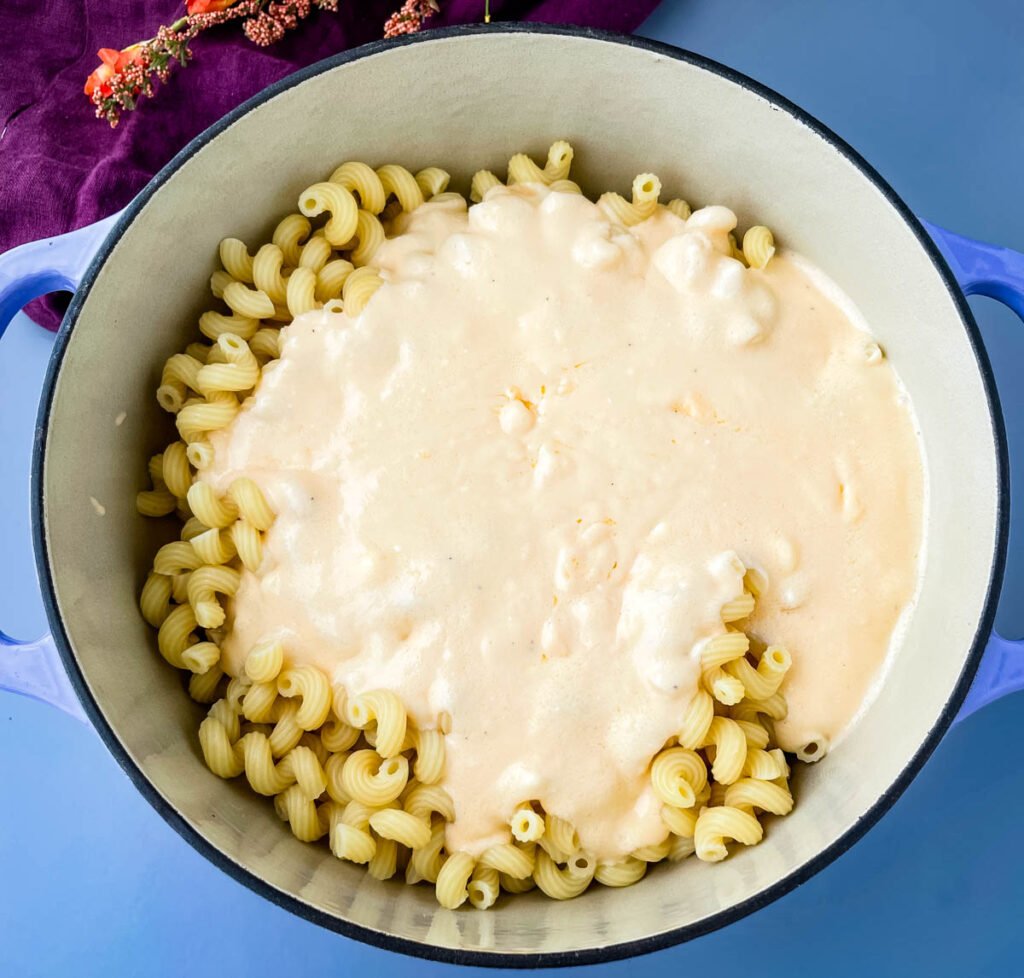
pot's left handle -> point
(985, 269)
(55, 264)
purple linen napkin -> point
(61, 168)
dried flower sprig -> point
(123, 77)
(410, 18)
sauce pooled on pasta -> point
(513, 490)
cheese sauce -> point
(514, 488)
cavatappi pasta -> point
(354, 771)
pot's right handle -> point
(985, 269)
(33, 668)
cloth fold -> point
(61, 168)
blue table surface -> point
(92, 882)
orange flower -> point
(207, 6)
(112, 62)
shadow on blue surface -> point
(94, 883)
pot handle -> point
(54, 264)
(51, 265)
(985, 269)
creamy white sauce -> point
(513, 491)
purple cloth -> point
(61, 168)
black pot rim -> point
(532, 959)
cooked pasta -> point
(301, 291)
(264, 661)
(289, 234)
(750, 793)
(358, 288)
(719, 651)
(398, 181)
(623, 873)
(316, 253)
(252, 505)
(180, 373)
(248, 543)
(266, 274)
(565, 187)
(334, 199)
(483, 181)
(716, 825)
(562, 884)
(509, 859)
(764, 681)
(355, 768)
(386, 710)
(350, 837)
(646, 190)
(522, 169)
(677, 775)
(762, 764)
(527, 825)
(773, 707)
(730, 744)
(156, 502)
(330, 279)
(756, 734)
(560, 839)
(198, 417)
(239, 372)
(697, 720)
(432, 181)
(286, 732)
(361, 180)
(403, 827)
(384, 862)
(213, 510)
(204, 687)
(311, 686)
(369, 235)
(201, 657)
(218, 748)
(425, 863)
(452, 880)
(372, 780)
(338, 736)
(814, 750)
(680, 821)
(679, 207)
(266, 344)
(483, 887)
(758, 246)
(425, 800)
(738, 608)
(300, 813)
(430, 755)
(179, 588)
(213, 546)
(177, 632)
(449, 197)
(176, 557)
(199, 453)
(652, 853)
(175, 470)
(155, 599)
(246, 302)
(259, 702)
(235, 258)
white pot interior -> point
(464, 102)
